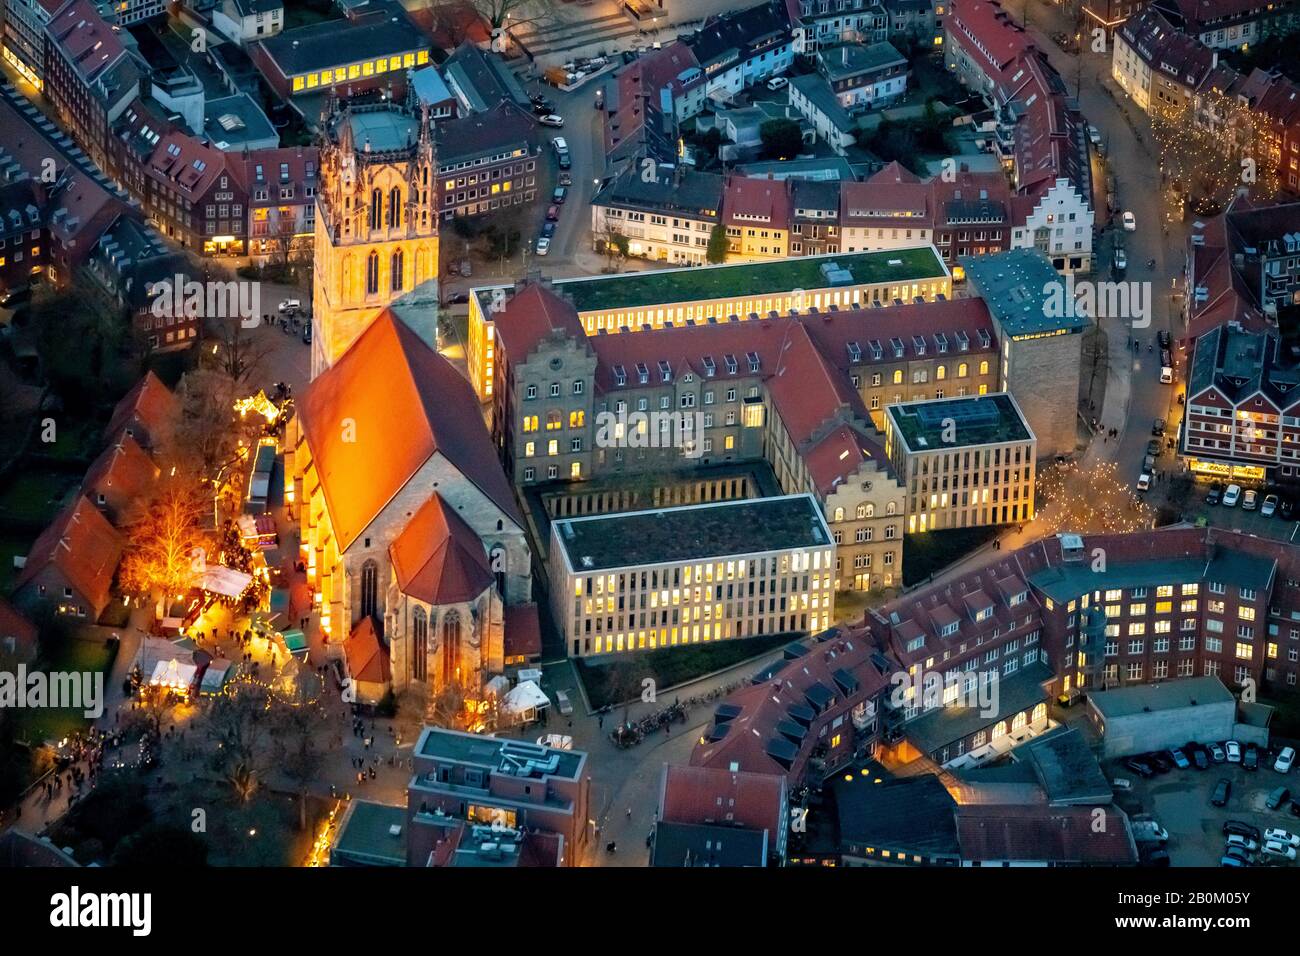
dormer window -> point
(984, 613)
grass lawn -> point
(54, 723)
(620, 679)
(12, 545)
(74, 442)
(35, 496)
(931, 552)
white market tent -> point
(525, 702)
(214, 678)
(224, 582)
(173, 674)
(498, 686)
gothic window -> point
(397, 271)
(450, 648)
(394, 208)
(347, 278)
(372, 273)
(376, 208)
(369, 588)
(419, 644)
(497, 561)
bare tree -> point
(239, 726)
(297, 719)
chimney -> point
(844, 56)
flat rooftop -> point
(1016, 285)
(366, 838)
(517, 758)
(692, 533)
(692, 284)
(1065, 582)
(1171, 695)
(948, 423)
(383, 129)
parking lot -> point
(1179, 801)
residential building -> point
(480, 80)
(244, 21)
(668, 216)
(24, 241)
(812, 97)
(1110, 15)
(725, 571)
(821, 22)
(282, 185)
(1227, 24)
(864, 77)
(22, 36)
(965, 462)
(70, 566)
(1159, 66)
(999, 836)
(737, 50)
(757, 217)
(490, 781)
(815, 225)
(713, 817)
(1243, 421)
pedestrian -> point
(629, 813)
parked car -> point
(1130, 221)
(1094, 135)
(777, 83)
(1277, 797)
(1233, 750)
(1158, 427)
(1201, 760)
(1139, 767)
(1216, 753)
(1284, 760)
(543, 246)
(1250, 500)
(1244, 842)
(1250, 759)
(306, 333)
(289, 305)
(548, 229)
(1241, 853)
(565, 162)
(1231, 496)
(1282, 836)
(1121, 260)
(551, 119)
(1277, 850)
(1148, 831)
(559, 194)
(552, 213)
(1231, 827)
(14, 295)
(1123, 784)
(1153, 447)
(1229, 860)
(1149, 463)
(1269, 506)
(543, 108)
(566, 179)
(1214, 494)
(1144, 482)
(1164, 338)
(1180, 759)
(1222, 790)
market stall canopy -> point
(295, 641)
(498, 686)
(526, 697)
(215, 677)
(174, 674)
(223, 581)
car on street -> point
(551, 119)
(1180, 759)
(548, 229)
(1214, 494)
(1286, 508)
(1231, 496)
(460, 298)
(1130, 221)
(1200, 759)
(14, 295)
(566, 179)
(1123, 784)
(1278, 851)
(1246, 857)
(1284, 760)
(1233, 750)
(1277, 797)
(1239, 828)
(1153, 447)
(1121, 260)
(559, 194)
(1216, 753)
(543, 246)
(289, 305)
(1250, 759)
(552, 213)
(777, 83)
(1094, 135)
(543, 108)
(1231, 861)
(1158, 427)
(1149, 463)
(1244, 842)
(1222, 790)
(1164, 338)
(1282, 836)
(306, 333)
(1148, 831)
(1144, 482)
(1269, 506)
(1250, 500)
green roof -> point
(947, 423)
(692, 533)
(690, 284)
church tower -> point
(376, 240)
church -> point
(410, 532)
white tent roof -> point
(526, 696)
(498, 686)
(173, 674)
(226, 582)
(215, 676)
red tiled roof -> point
(85, 40)
(424, 408)
(83, 546)
(438, 558)
(366, 655)
(708, 795)
(832, 459)
(988, 832)
(530, 316)
(747, 201)
(523, 628)
(122, 473)
(150, 407)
